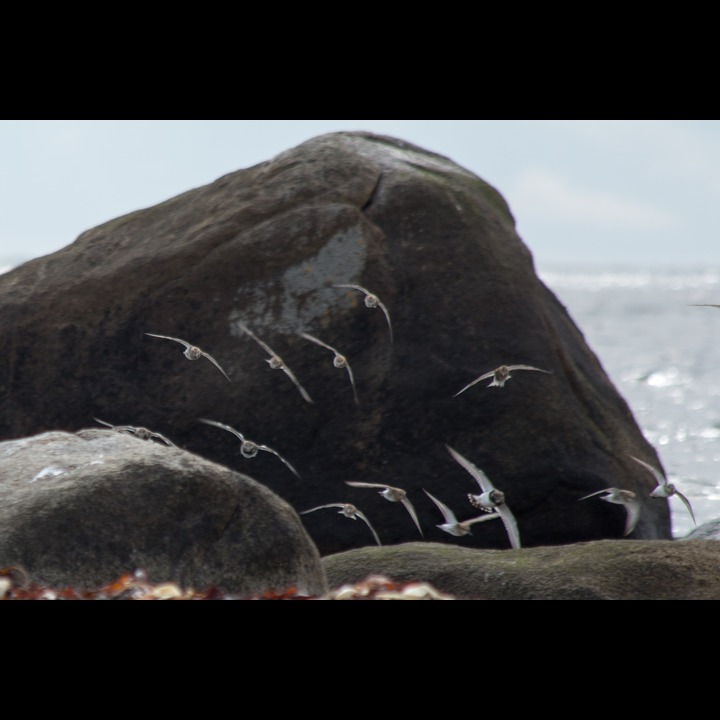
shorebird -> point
(141, 433)
(192, 352)
(350, 511)
(452, 525)
(249, 448)
(500, 375)
(339, 361)
(276, 362)
(664, 489)
(371, 301)
(621, 497)
(392, 494)
(490, 499)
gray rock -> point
(599, 570)
(80, 510)
(265, 246)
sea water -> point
(663, 356)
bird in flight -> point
(138, 432)
(339, 361)
(350, 511)
(276, 362)
(192, 352)
(664, 489)
(621, 497)
(392, 494)
(500, 375)
(372, 301)
(249, 448)
(452, 525)
(490, 499)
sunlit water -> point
(663, 355)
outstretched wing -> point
(303, 391)
(367, 522)
(527, 367)
(282, 459)
(510, 525)
(232, 430)
(659, 477)
(687, 504)
(409, 507)
(448, 514)
(482, 479)
(312, 338)
(168, 337)
(485, 376)
(320, 507)
(215, 363)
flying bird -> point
(139, 432)
(372, 301)
(664, 489)
(339, 361)
(490, 499)
(500, 375)
(350, 511)
(392, 494)
(452, 525)
(621, 497)
(276, 362)
(249, 448)
(192, 352)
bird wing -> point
(510, 525)
(448, 514)
(237, 434)
(302, 390)
(102, 422)
(352, 381)
(356, 483)
(275, 452)
(263, 345)
(320, 507)
(633, 514)
(381, 304)
(409, 507)
(312, 338)
(482, 479)
(387, 317)
(704, 305)
(482, 518)
(167, 337)
(687, 504)
(659, 477)
(367, 522)
(527, 367)
(484, 376)
(595, 493)
(356, 287)
(216, 364)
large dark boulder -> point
(80, 510)
(264, 246)
(599, 570)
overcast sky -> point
(583, 192)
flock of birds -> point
(490, 501)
